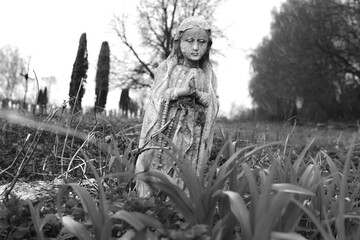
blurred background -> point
(275, 60)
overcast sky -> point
(49, 32)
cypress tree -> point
(78, 75)
(102, 77)
(39, 97)
(42, 100)
(124, 102)
(45, 97)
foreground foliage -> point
(261, 190)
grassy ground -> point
(56, 146)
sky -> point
(48, 32)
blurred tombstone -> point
(112, 113)
(133, 108)
(29, 107)
(37, 109)
(16, 105)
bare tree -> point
(11, 66)
(26, 78)
(157, 23)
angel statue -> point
(183, 103)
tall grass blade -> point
(102, 197)
(286, 236)
(270, 216)
(308, 176)
(187, 174)
(210, 176)
(224, 168)
(160, 181)
(315, 221)
(302, 155)
(291, 188)
(35, 216)
(254, 192)
(264, 199)
(138, 220)
(340, 221)
(333, 167)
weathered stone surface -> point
(183, 102)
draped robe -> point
(192, 127)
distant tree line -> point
(309, 66)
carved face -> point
(194, 44)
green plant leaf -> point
(187, 174)
(129, 235)
(76, 228)
(35, 216)
(265, 197)
(224, 168)
(112, 159)
(210, 176)
(160, 181)
(340, 221)
(333, 167)
(138, 220)
(308, 176)
(87, 203)
(47, 219)
(302, 156)
(267, 219)
(239, 209)
(286, 236)
(102, 197)
(254, 192)
(314, 219)
(291, 188)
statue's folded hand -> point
(184, 91)
(175, 93)
(203, 98)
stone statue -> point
(184, 99)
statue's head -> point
(192, 41)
